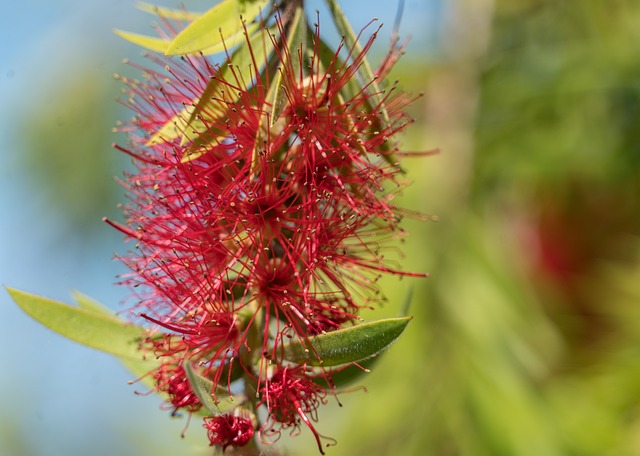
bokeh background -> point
(526, 336)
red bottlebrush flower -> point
(228, 430)
(208, 345)
(291, 398)
(172, 380)
(295, 238)
(250, 232)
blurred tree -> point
(530, 322)
(558, 144)
(66, 141)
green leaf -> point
(351, 40)
(276, 96)
(174, 128)
(168, 13)
(88, 327)
(147, 42)
(161, 45)
(245, 64)
(187, 124)
(91, 304)
(346, 345)
(206, 32)
(232, 40)
(296, 43)
(139, 367)
(203, 387)
(346, 375)
(364, 70)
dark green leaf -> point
(346, 345)
(346, 375)
(203, 388)
(88, 327)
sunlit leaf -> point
(161, 45)
(91, 304)
(168, 13)
(188, 124)
(147, 42)
(203, 388)
(174, 128)
(346, 345)
(88, 327)
(223, 20)
(243, 67)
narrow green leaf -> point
(186, 124)
(364, 70)
(258, 47)
(346, 345)
(276, 96)
(91, 304)
(231, 41)
(168, 13)
(140, 368)
(147, 42)
(203, 388)
(351, 40)
(174, 128)
(82, 325)
(296, 43)
(245, 64)
(223, 20)
(161, 45)
(346, 375)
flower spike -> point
(260, 217)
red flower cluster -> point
(292, 397)
(228, 430)
(251, 231)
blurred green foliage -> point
(526, 335)
(65, 138)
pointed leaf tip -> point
(203, 388)
(347, 345)
(83, 324)
(202, 33)
(147, 42)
